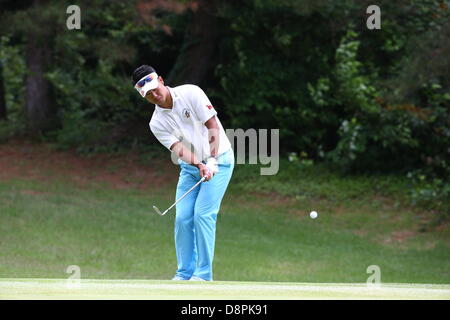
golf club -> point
(184, 195)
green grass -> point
(261, 235)
(319, 182)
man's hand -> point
(211, 163)
(204, 171)
(209, 169)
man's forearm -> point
(213, 135)
(185, 154)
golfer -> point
(186, 123)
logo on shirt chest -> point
(186, 113)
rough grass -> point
(264, 232)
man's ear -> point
(161, 79)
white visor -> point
(149, 82)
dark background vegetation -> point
(352, 99)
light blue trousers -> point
(196, 215)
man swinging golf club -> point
(186, 123)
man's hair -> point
(141, 72)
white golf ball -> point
(313, 214)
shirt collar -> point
(174, 93)
(175, 97)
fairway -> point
(60, 289)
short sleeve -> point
(164, 137)
(201, 105)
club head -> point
(157, 211)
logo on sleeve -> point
(209, 107)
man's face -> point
(159, 94)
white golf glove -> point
(212, 165)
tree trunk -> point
(193, 62)
(3, 114)
(37, 101)
(37, 87)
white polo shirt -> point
(185, 122)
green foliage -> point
(13, 66)
(78, 130)
(91, 75)
(267, 58)
(345, 95)
(432, 193)
(358, 100)
(431, 185)
(93, 100)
